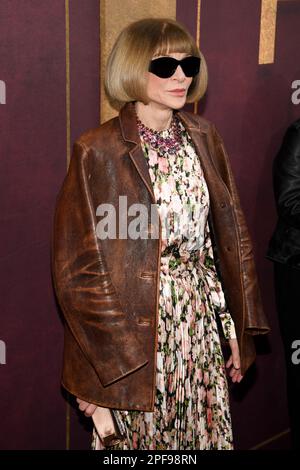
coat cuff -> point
(228, 325)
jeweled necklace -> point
(165, 141)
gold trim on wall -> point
(267, 31)
(114, 16)
(197, 41)
(68, 424)
(68, 117)
(100, 64)
(68, 152)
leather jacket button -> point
(222, 205)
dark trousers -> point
(287, 290)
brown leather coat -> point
(108, 289)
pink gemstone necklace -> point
(165, 141)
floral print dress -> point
(192, 404)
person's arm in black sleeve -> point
(286, 176)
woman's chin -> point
(178, 103)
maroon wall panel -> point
(32, 166)
(251, 106)
(84, 104)
(84, 65)
(32, 140)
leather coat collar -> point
(127, 117)
(129, 129)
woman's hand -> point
(87, 408)
(234, 361)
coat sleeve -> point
(84, 289)
(255, 322)
(286, 177)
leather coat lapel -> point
(129, 130)
(140, 162)
(198, 135)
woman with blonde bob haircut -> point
(152, 260)
(127, 65)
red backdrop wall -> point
(33, 150)
(251, 106)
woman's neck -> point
(155, 118)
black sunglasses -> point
(164, 67)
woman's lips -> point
(178, 92)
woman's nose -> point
(179, 73)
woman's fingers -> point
(229, 362)
(237, 377)
(82, 404)
(89, 411)
(235, 374)
(87, 408)
(235, 353)
(234, 361)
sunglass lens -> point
(190, 66)
(163, 67)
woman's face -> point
(169, 92)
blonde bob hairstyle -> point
(127, 65)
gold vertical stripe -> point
(68, 118)
(197, 41)
(198, 23)
(68, 139)
(267, 31)
(100, 53)
(68, 424)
